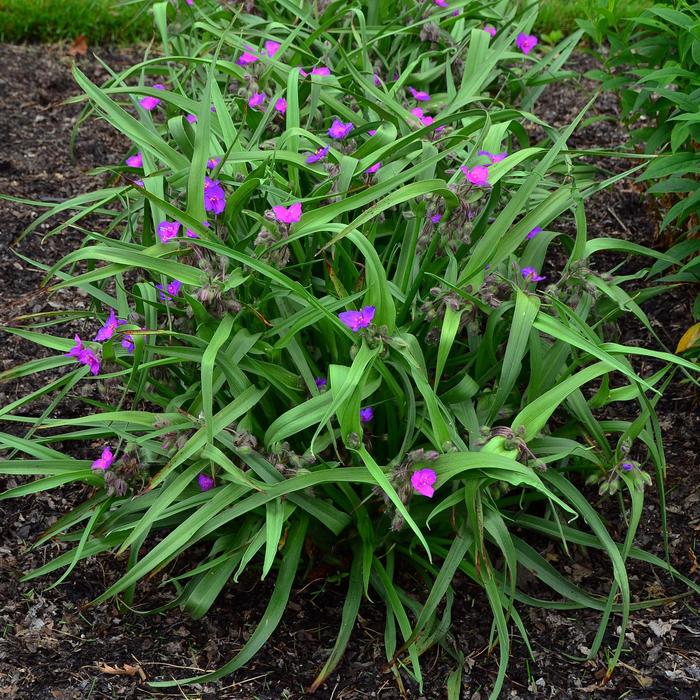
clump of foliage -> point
(322, 327)
(653, 61)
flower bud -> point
(353, 441)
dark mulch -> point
(51, 644)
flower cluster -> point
(86, 356)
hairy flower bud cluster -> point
(288, 462)
(494, 291)
(513, 440)
(434, 311)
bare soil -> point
(53, 647)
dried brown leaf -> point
(124, 670)
(644, 681)
(79, 47)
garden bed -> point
(52, 647)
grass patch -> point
(104, 21)
(101, 21)
(561, 15)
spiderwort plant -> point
(358, 358)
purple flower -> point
(371, 132)
(84, 355)
(281, 105)
(530, 275)
(191, 234)
(320, 154)
(319, 70)
(478, 175)
(490, 30)
(627, 466)
(257, 100)
(377, 80)
(419, 95)
(148, 102)
(340, 130)
(288, 215)
(171, 290)
(110, 326)
(435, 218)
(526, 42)
(424, 119)
(246, 58)
(212, 163)
(534, 232)
(205, 482)
(167, 230)
(355, 320)
(214, 196)
(271, 47)
(321, 382)
(104, 462)
(135, 161)
(422, 482)
(128, 342)
(441, 3)
(366, 414)
(138, 182)
(189, 2)
(494, 157)
(373, 168)
(191, 118)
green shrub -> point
(231, 409)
